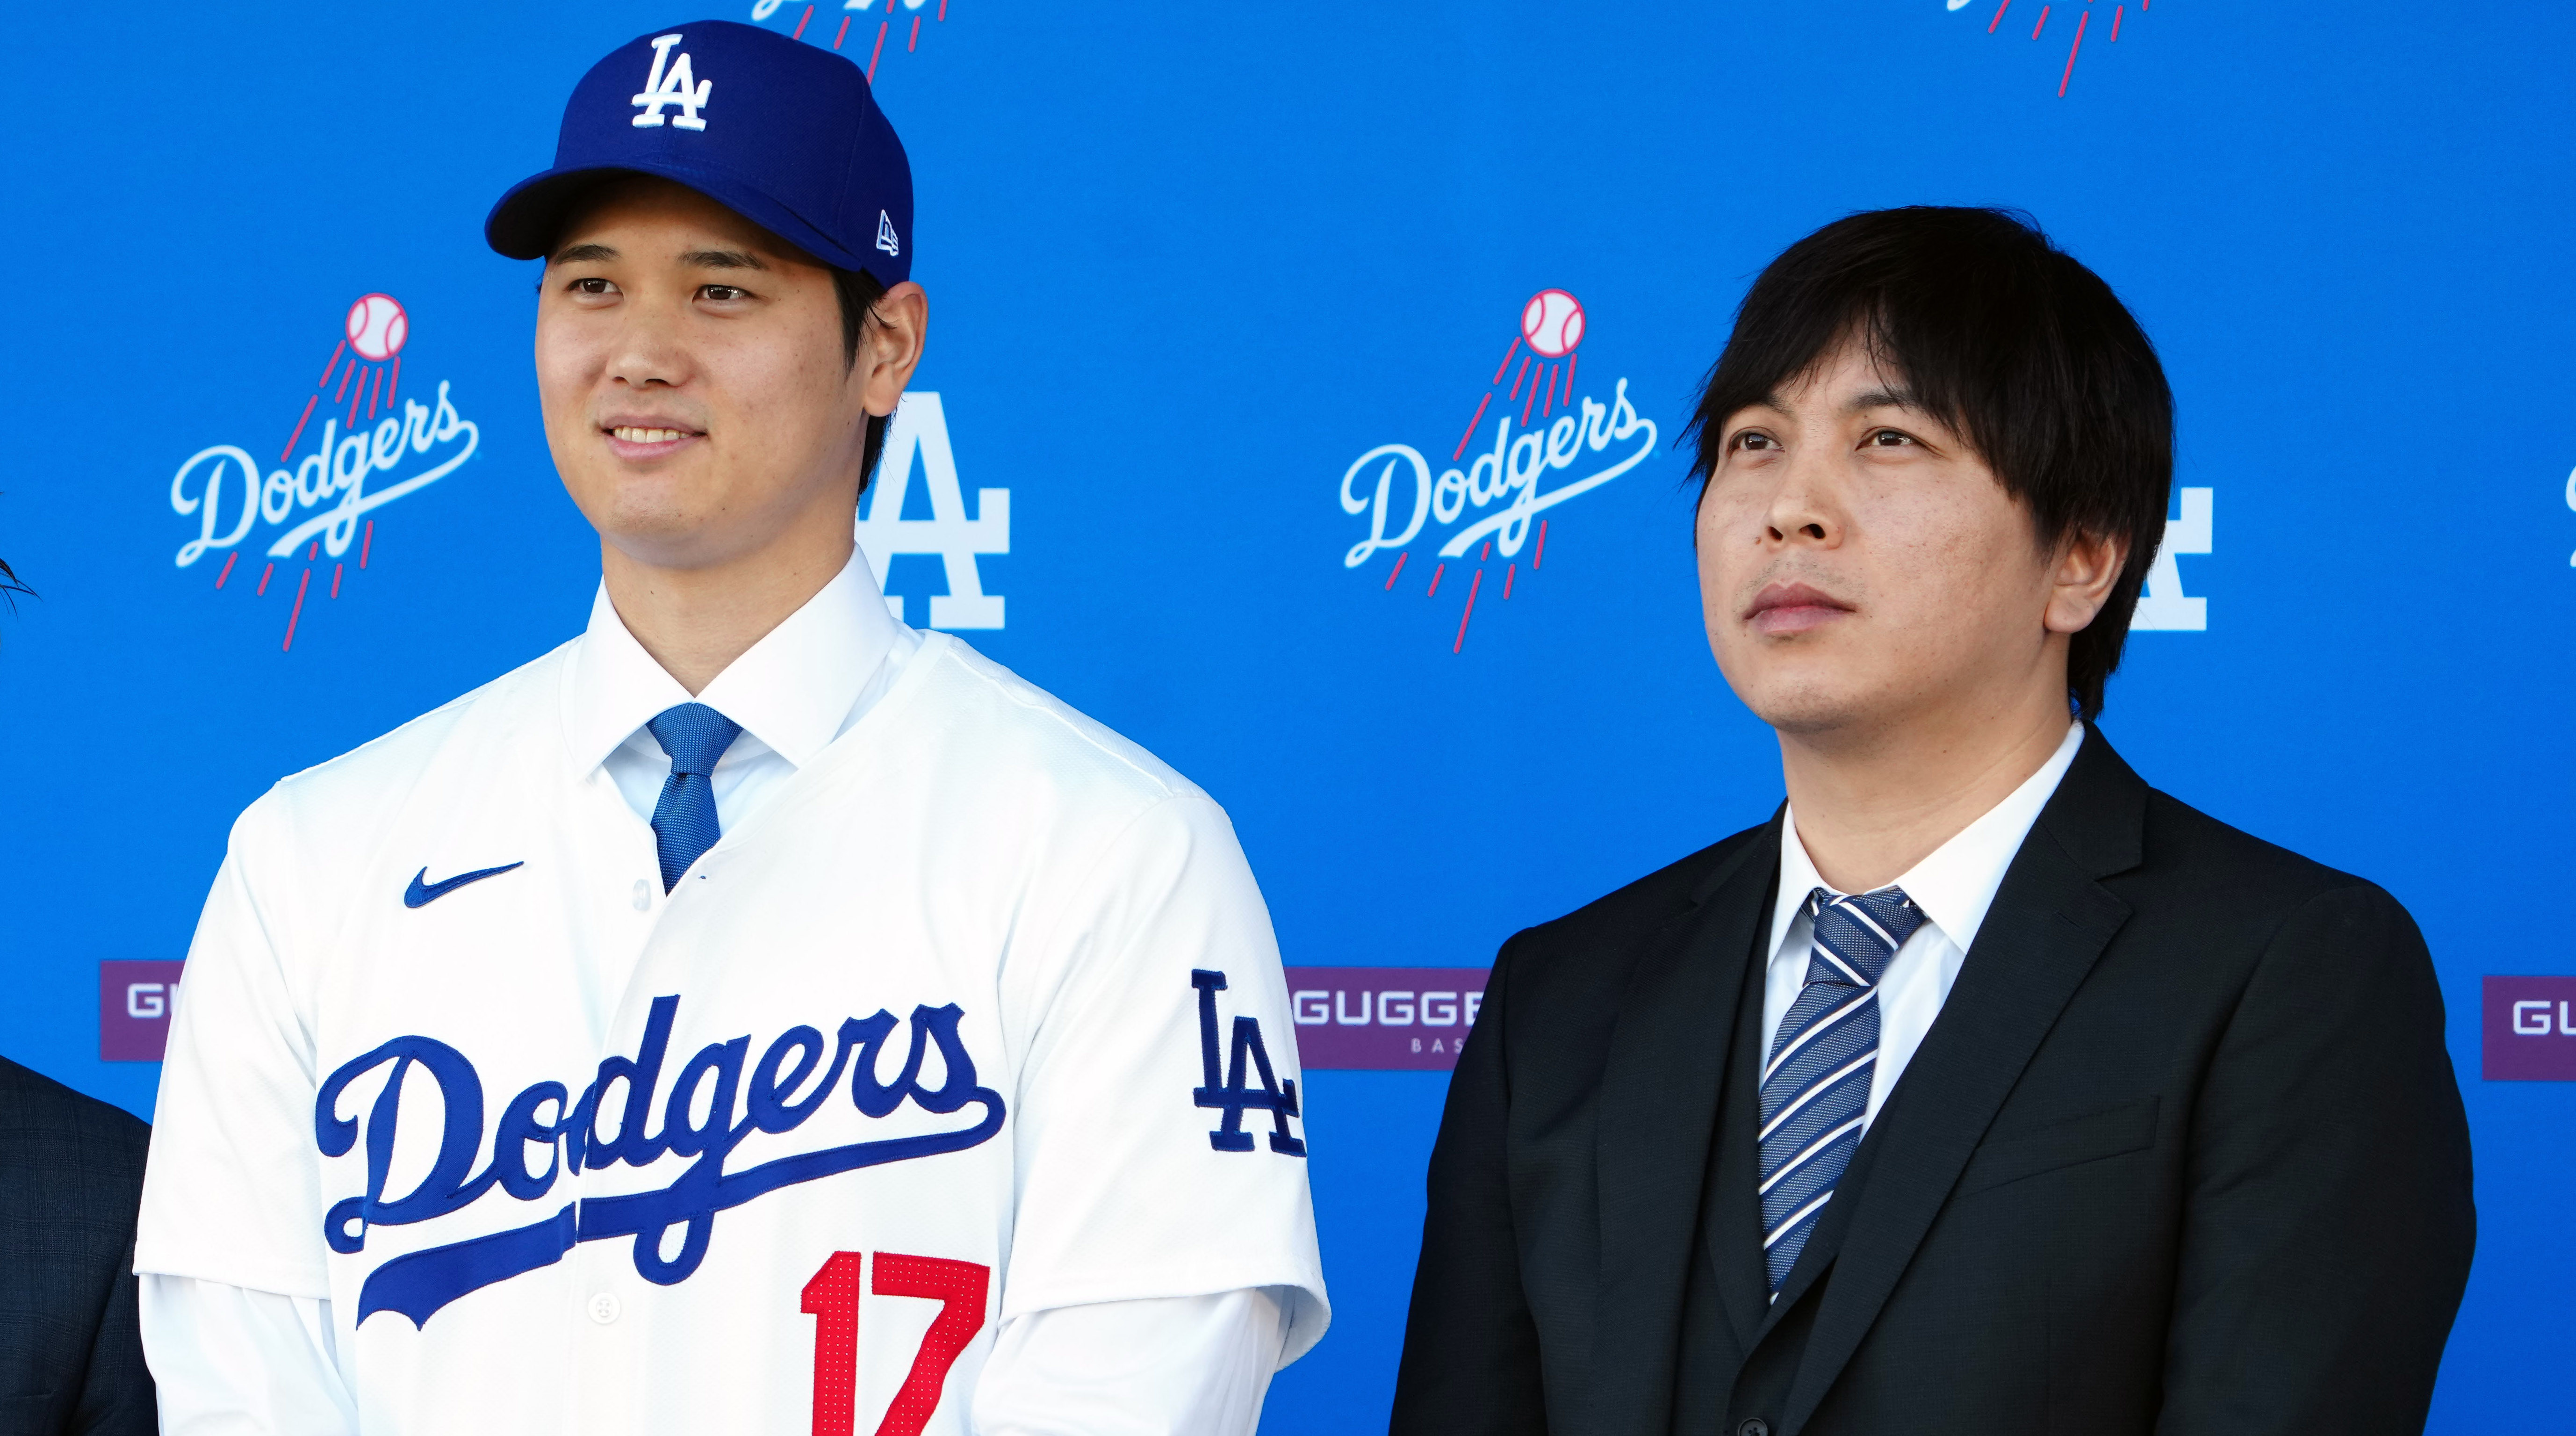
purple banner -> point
(134, 1009)
(2530, 1029)
(1399, 1019)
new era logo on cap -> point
(801, 149)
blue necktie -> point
(684, 819)
(1815, 1088)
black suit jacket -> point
(71, 1178)
(2182, 1153)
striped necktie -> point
(1815, 1088)
(684, 820)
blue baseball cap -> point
(783, 133)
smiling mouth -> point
(633, 435)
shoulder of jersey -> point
(1013, 726)
(345, 797)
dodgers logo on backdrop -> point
(548, 1122)
(321, 505)
(2082, 17)
(920, 432)
(1540, 431)
(914, 11)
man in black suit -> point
(1984, 1088)
(71, 1177)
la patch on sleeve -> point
(1234, 1096)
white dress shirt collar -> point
(793, 690)
(1956, 882)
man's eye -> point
(1750, 440)
(1889, 438)
(592, 285)
(721, 293)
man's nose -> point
(649, 352)
(1801, 509)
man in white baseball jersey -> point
(755, 1015)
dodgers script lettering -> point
(546, 1123)
(338, 470)
(1507, 474)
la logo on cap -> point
(678, 86)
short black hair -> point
(859, 293)
(2008, 340)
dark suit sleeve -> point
(1471, 1360)
(2329, 1216)
(71, 1177)
(117, 1396)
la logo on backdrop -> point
(920, 432)
(375, 444)
(1547, 446)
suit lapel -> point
(1658, 1108)
(1733, 1236)
(2049, 922)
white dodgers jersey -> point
(979, 1014)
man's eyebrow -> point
(1884, 398)
(723, 259)
(584, 254)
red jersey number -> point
(831, 1297)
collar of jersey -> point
(793, 690)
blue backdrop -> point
(1186, 265)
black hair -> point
(859, 293)
(2008, 340)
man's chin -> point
(662, 540)
(1816, 724)
(1812, 705)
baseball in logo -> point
(321, 506)
(2083, 15)
(1539, 428)
(900, 19)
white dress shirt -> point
(1952, 887)
(234, 1360)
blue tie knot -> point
(695, 736)
(1857, 935)
(684, 821)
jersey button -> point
(603, 1307)
(643, 895)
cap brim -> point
(530, 218)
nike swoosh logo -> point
(421, 894)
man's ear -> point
(2088, 567)
(890, 346)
